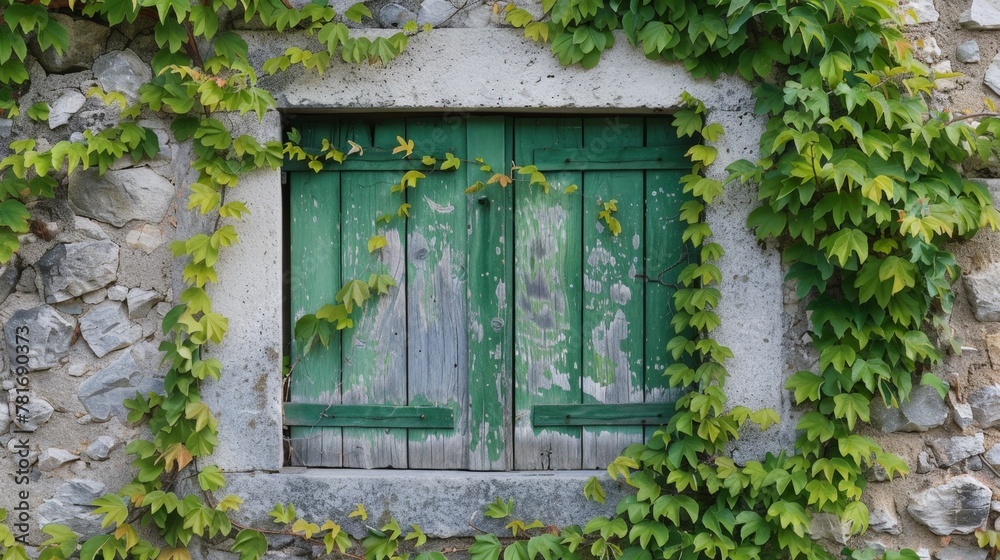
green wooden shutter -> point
(591, 330)
(505, 296)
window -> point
(522, 335)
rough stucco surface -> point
(477, 69)
(248, 397)
(443, 503)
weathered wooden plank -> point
(636, 414)
(314, 208)
(436, 289)
(610, 157)
(612, 295)
(369, 416)
(664, 259)
(490, 320)
(375, 349)
(547, 293)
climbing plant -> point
(857, 180)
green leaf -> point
(892, 463)
(851, 407)
(113, 507)
(107, 546)
(844, 244)
(450, 162)
(376, 242)
(499, 509)
(593, 490)
(382, 50)
(416, 535)
(14, 216)
(39, 111)
(354, 293)
(833, 66)
(11, 44)
(250, 544)
(901, 271)
(381, 283)
(281, 514)
(357, 12)
(805, 385)
(486, 547)
(211, 479)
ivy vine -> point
(858, 178)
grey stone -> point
(86, 39)
(97, 296)
(925, 410)
(70, 506)
(72, 269)
(10, 274)
(102, 393)
(943, 68)
(830, 527)
(64, 107)
(924, 10)
(982, 14)
(986, 304)
(882, 518)
(137, 193)
(950, 450)
(961, 412)
(6, 127)
(38, 411)
(968, 52)
(53, 458)
(925, 463)
(394, 15)
(993, 456)
(107, 328)
(435, 12)
(40, 333)
(961, 553)
(985, 405)
(26, 285)
(71, 306)
(79, 492)
(117, 293)
(140, 302)
(146, 238)
(983, 287)
(974, 464)
(958, 506)
(929, 49)
(122, 71)
(5, 419)
(876, 473)
(89, 228)
(100, 449)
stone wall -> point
(95, 276)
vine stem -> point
(971, 116)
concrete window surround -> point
(458, 70)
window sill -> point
(444, 503)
